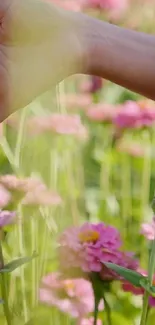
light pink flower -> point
(14, 183)
(41, 197)
(148, 229)
(31, 190)
(89, 246)
(72, 296)
(59, 123)
(72, 5)
(7, 218)
(134, 149)
(115, 7)
(101, 112)
(89, 321)
(5, 197)
(76, 101)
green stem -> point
(145, 308)
(4, 290)
(151, 263)
(96, 310)
(107, 311)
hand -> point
(38, 48)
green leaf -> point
(129, 275)
(17, 263)
(152, 290)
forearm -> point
(119, 55)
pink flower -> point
(134, 149)
(148, 229)
(31, 190)
(116, 7)
(101, 112)
(72, 5)
(90, 321)
(72, 296)
(5, 197)
(41, 197)
(76, 101)
(22, 185)
(59, 123)
(135, 115)
(90, 245)
(7, 218)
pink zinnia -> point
(148, 229)
(89, 246)
(135, 115)
(72, 296)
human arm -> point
(122, 56)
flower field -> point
(77, 184)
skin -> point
(41, 44)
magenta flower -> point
(148, 229)
(7, 218)
(92, 85)
(135, 115)
(89, 246)
(72, 296)
(128, 116)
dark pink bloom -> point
(92, 85)
(135, 115)
(7, 218)
(90, 245)
(72, 296)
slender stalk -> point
(96, 310)
(144, 309)
(4, 290)
(22, 270)
(107, 311)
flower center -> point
(69, 285)
(89, 236)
